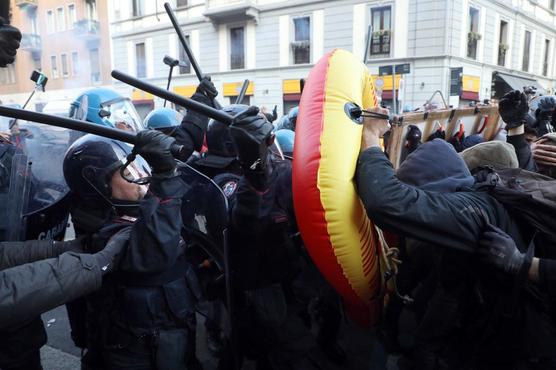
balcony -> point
(31, 42)
(26, 3)
(229, 11)
(87, 29)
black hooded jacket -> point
(437, 205)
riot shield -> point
(33, 185)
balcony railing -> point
(88, 28)
(25, 3)
(31, 42)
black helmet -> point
(90, 163)
(219, 139)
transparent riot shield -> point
(205, 219)
(36, 205)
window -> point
(65, 67)
(95, 66)
(50, 21)
(185, 65)
(72, 16)
(181, 3)
(34, 25)
(301, 45)
(503, 43)
(545, 59)
(381, 27)
(60, 20)
(246, 100)
(137, 8)
(74, 63)
(526, 47)
(473, 35)
(54, 66)
(140, 62)
(237, 48)
(92, 10)
(7, 75)
(552, 4)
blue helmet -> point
(288, 121)
(286, 139)
(163, 119)
(91, 162)
(107, 108)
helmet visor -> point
(123, 115)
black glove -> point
(413, 138)
(155, 147)
(206, 87)
(499, 250)
(252, 134)
(513, 108)
(107, 259)
(546, 107)
(10, 37)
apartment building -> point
(469, 50)
(67, 40)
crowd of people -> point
(151, 255)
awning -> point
(234, 88)
(517, 82)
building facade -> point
(67, 40)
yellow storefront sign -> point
(471, 83)
(186, 90)
(234, 88)
(137, 94)
(291, 87)
(385, 82)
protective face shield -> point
(93, 168)
(285, 139)
(122, 115)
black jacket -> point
(523, 152)
(451, 220)
(38, 276)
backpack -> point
(528, 196)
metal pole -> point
(168, 84)
(172, 97)
(367, 45)
(242, 92)
(395, 103)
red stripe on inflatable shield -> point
(309, 210)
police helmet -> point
(163, 119)
(106, 107)
(285, 139)
(91, 162)
(219, 139)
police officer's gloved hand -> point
(498, 249)
(156, 147)
(545, 115)
(513, 108)
(10, 38)
(252, 134)
(76, 245)
(107, 259)
(205, 92)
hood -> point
(435, 166)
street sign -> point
(400, 69)
(385, 70)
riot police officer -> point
(143, 316)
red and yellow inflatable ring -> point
(334, 226)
